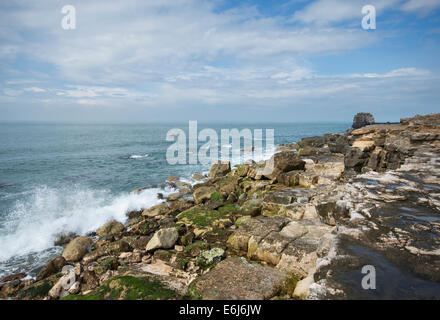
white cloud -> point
(421, 6)
(403, 72)
(323, 12)
(177, 54)
(35, 89)
(143, 42)
(11, 92)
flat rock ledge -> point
(237, 279)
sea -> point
(60, 178)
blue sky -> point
(176, 60)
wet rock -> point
(16, 276)
(64, 238)
(160, 209)
(164, 238)
(111, 228)
(53, 267)
(198, 176)
(39, 289)
(10, 288)
(76, 249)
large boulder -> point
(53, 267)
(219, 169)
(164, 238)
(203, 194)
(160, 209)
(237, 279)
(362, 119)
(282, 162)
(111, 228)
(76, 249)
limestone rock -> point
(76, 249)
(112, 248)
(282, 162)
(203, 194)
(219, 169)
(53, 267)
(237, 279)
(198, 176)
(160, 209)
(164, 238)
(111, 228)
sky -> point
(239, 61)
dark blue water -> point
(57, 178)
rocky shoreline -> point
(368, 196)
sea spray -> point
(33, 223)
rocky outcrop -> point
(362, 119)
(304, 230)
(219, 169)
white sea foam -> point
(138, 156)
(34, 223)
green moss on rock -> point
(129, 288)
